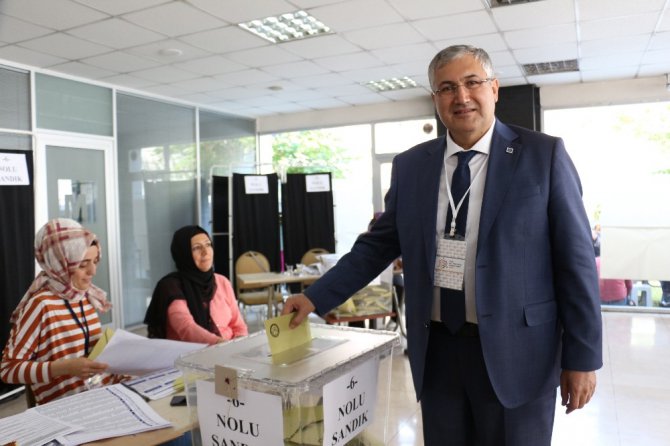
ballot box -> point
(332, 391)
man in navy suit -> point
(523, 267)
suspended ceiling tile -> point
(598, 9)
(385, 36)
(210, 65)
(295, 69)
(129, 81)
(546, 54)
(534, 14)
(164, 74)
(238, 11)
(616, 27)
(356, 14)
(65, 46)
(420, 53)
(82, 70)
(120, 61)
(224, 40)
(14, 30)
(321, 46)
(422, 9)
(549, 35)
(345, 62)
(55, 14)
(116, 33)
(161, 51)
(28, 57)
(458, 26)
(260, 57)
(201, 84)
(117, 7)
(174, 19)
(245, 77)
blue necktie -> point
(452, 305)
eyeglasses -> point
(451, 88)
(201, 248)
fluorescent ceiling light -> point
(393, 83)
(286, 27)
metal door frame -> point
(43, 139)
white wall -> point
(364, 114)
(649, 89)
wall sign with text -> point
(13, 169)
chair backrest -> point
(252, 262)
(311, 256)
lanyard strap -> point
(457, 207)
(84, 326)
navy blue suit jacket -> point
(536, 286)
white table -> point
(270, 280)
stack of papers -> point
(106, 412)
(154, 386)
(130, 354)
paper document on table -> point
(31, 428)
(110, 411)
(130, 354)
(157, 385)
(282, 338)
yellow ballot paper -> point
(282, 338)
(101, 344)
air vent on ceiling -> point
(497, 3)
(559, 66)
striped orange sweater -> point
(44, 332)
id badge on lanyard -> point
(450, 263)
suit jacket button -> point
(426, 325)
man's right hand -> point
(300, 305)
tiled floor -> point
(631, 405)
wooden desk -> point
(179, 416)
(270, 280)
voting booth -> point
(333, 390)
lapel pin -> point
(509, 150)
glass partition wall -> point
(159, 182)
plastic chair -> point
(311, 257)
(641, 290)
(248, 263)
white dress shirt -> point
(478, 179)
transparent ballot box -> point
(332, 391)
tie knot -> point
(465, 156)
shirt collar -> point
(481, 146)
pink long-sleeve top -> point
(223, 310)
(613, 289)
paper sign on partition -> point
(13, 169)
(256, 184)
(317, 183)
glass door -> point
(75, 182)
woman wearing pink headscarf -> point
(55, 325)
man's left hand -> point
(577, 388)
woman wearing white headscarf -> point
(55, 325)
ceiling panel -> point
(193, 50)
(116, 33)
